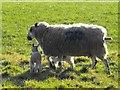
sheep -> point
(35, 60)
(56, 61)
(72, 40)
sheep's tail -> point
(108, 38)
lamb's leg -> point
(31, 67)
(35, 68)
(94, 62)
(38, 66)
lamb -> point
(72, 40)
(56, 61)
(35, 60)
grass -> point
(17, 17)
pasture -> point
(17, 17)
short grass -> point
(17, 17)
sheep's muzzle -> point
(29, 38)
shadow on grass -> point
(47, 73)
(78, 60)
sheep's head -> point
(31, 33)
(34, 29)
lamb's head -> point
(37, 28)
(35, 48)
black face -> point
(29, 38)
(31, 29)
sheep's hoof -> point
(51, 65)
(59, 63)
(92, 67)
(54, 67)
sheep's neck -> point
(40, 35)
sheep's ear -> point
(36, 24)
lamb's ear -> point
(36, 24)
(37, 45)
(40, 52)
(33, 44)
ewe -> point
(71, 40)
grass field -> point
(17, 17)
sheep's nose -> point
(29, 38)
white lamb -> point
(56, 60)
(35, 60)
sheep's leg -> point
(55, 63)
(71, 62)
(94, 62)
(50, 64)
(60, 63)
(105, 63)
(102, 53)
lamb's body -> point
(72, 40)
(35, 60)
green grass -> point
(17, 17)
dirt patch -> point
(84, 70)
(5, 75)
(5, 63)
(65, 76)
(88, 79)
(110, 87)
(24, 62)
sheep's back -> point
(73, 41)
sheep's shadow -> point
(78, 60)
(47, 73)
(44, 75)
